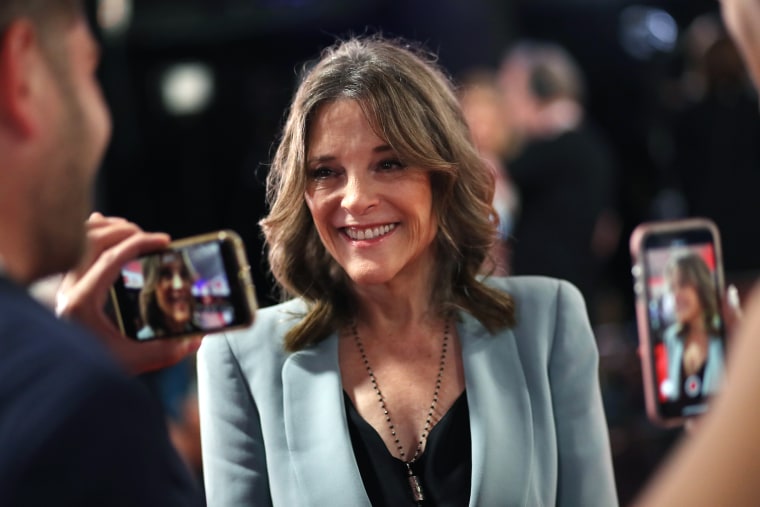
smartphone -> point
(198, 285)
(678, 283)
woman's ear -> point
(22, 67)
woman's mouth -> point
(359, 234)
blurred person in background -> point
(75, 427)
(716, 162)
(481, 103)
(564, 170)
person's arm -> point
(585, 460)
(84, 291)
(742, 17)
(718, 463)
(232, 444)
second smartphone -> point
(679, 286)
(198, 285)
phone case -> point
(638, 238)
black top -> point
(565, 183)
(691, 385)
(444, 468)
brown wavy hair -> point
(411, 103)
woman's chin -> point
(366, 278)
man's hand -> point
(84, 291)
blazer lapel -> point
(500, 415)
(322, 455)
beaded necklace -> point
(414, 482)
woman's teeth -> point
(371, 233)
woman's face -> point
(373, 213)
(687, 304)
(173, 291)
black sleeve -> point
(110, 448)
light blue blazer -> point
(274, 430)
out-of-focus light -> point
(187, 88)
(646, 31)
(663, 30)
(114, 16)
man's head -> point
(534, 75)
(54, 127)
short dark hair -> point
(553, 72)
(40, 12)
(48, 16)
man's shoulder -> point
(63, 399)
(48, 367)
(32, 338)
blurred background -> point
(198, 90)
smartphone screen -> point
(199, 285)
(683, 282)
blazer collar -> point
(322, 456)
(500, 421)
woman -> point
(693, 344)
(397, 374)
(166, 300)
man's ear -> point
(21, 64)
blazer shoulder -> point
(537, 289)
(542, 306)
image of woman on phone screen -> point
(166, 300)
(693, 344)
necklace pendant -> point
(415, 484)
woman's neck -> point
(406, 301)
(392, 310)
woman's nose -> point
(359, 194)
(177, 282)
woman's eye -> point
(321, 173)
(390, 165)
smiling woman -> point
(373, 214)
(417, 376)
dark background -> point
(195, 173)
